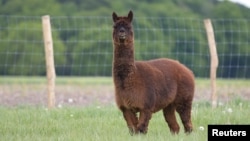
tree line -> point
(82, 35)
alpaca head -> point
(122, 28)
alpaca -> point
(146, 87)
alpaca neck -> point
(123, 63)
(124, 54)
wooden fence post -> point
(214, 60)
(50, 69)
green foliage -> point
(22, 50)
(171, 29)
(228, 10)
(233, 47)
(17, 55)
(30, 7)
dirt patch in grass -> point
(78, 95)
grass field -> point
(97, 123)
(85, 110)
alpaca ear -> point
(130, 16)
(115, 17)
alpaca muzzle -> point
(122, 33)
(122, 36)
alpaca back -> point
(166, 79)
(165, 68)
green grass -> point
(95, 123)
(106, 123)
(105, 80)
(59, 80)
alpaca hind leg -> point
(131, 120)
(145, 116)
(184, 111)
(169, 115)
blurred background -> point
(82, 40)
(82, 35)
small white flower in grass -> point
(229, 110)
(240, 104)
(98, 107)
(220, 104)
(71, 115)
(201, 128)
(70, 100)
(59, 106)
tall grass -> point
(95, 123)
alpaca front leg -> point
(144, 118)
(131, 120)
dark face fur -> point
(122, 29)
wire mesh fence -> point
(83, 45)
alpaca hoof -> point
(188, 131)
(132, 131)
(142, 131)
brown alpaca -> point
(148, 86)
